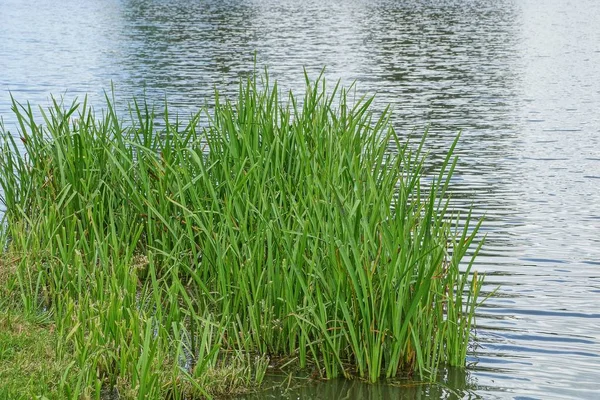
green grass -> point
(23, 343)
(177, 260)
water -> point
(520, 79)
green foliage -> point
(177, 259)
(28, 365)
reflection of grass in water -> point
(178, 262)
(453, 383)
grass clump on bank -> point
(179, 261)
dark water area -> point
(519, 78)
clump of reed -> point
(181, 259)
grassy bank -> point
(183, 260)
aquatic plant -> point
(179, 259)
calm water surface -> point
(520, 78)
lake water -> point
(520, 78)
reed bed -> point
(187, 259)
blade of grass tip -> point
(448, 175)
